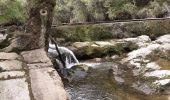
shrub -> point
(12, 11)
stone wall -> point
(103, 31)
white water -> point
(70, 58)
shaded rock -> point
(11, 74)
(18, 90)
(8, 56)
(11, 65)
(53, 90)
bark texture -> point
(37, 27)
(39, 22)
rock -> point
(8, 56)
(152, 77)
(91, 49)
(40, 65)
(35, 56)
(46, 84)
(14, 89)
(144, 88)
(11, 65)
(162, 82)
(158, 74)
(164, 39)
(98, 59)
(11, 74)
(80, 44)
(103, 43)
(141, 41)
(2, 37)
(101, 48)
(114, 57)
(119, 80)
(142, 52)
(153, 65)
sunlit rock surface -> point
(29, 76)
(151, 76)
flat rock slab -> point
(8, 56)
(11, 74)
(46, 84)
(15, 89)
(40, 65)
(35, 56)
(11, 65)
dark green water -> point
(99, 85)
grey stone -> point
(8, 56)
(40, 65)
(11, 65)
(11, 74)
(46, 84)
(35, 56)
(14, 89)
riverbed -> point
(100, 85)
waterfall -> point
(70, 58)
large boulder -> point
(102, 48)
(148, 67)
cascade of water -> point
(70, 58)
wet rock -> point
(46, 84)
(11, 65)
(14, 89)
(8, 56)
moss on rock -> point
(97, 32)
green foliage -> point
(79, 11)
(97, 9)
(11, 11)
(85, 32)
(102, 10)
(75, 11)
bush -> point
(12, 11)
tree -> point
(37, 27)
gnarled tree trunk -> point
(39, 22)
(37, 27)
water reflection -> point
(99, 85)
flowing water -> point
(97, 83)
(70, 58)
